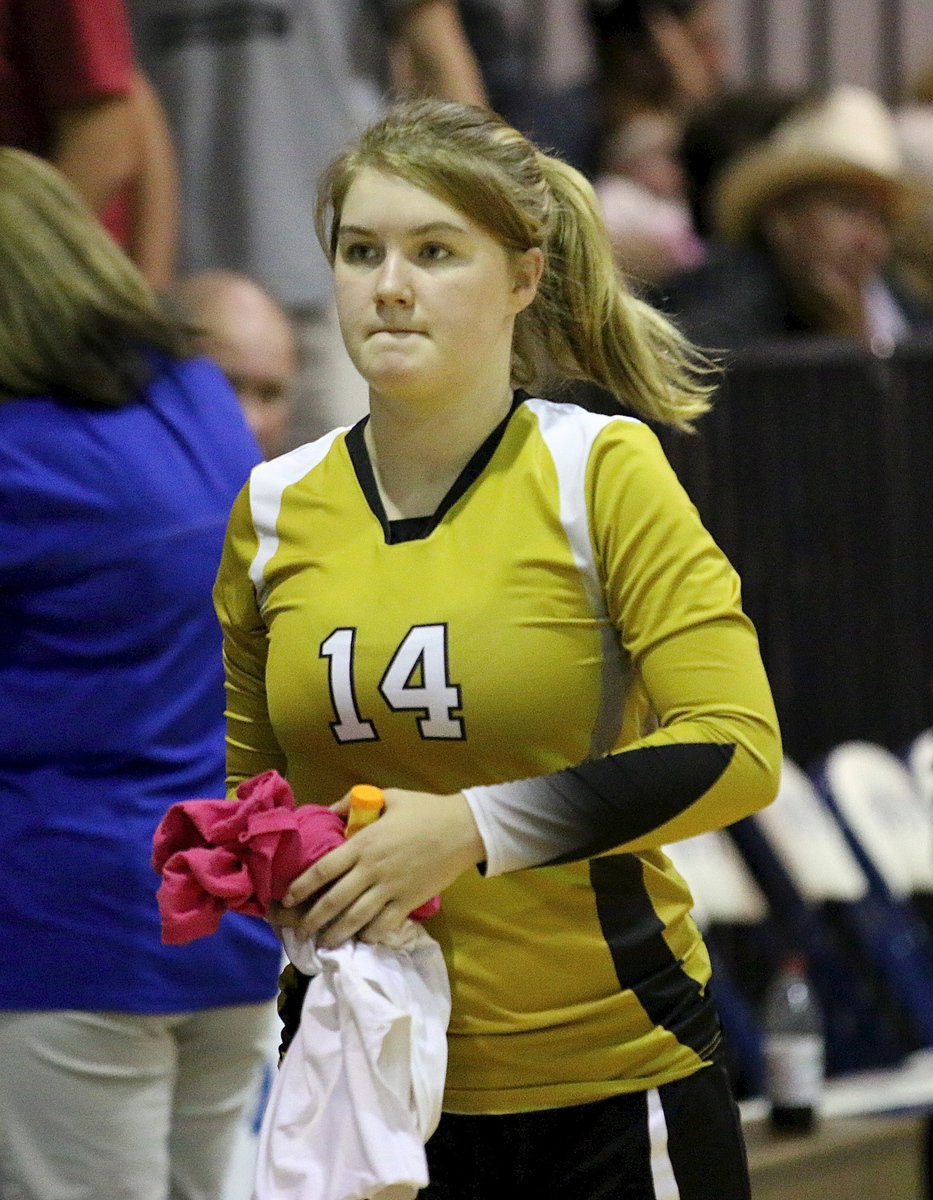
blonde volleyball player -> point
(506, 613)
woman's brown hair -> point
(77, 319)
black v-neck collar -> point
(411, 529)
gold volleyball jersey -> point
(562, 638)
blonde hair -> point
(77, 319)
(584, 323)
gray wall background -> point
(881, 44)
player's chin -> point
(408, 383)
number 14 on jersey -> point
(417, 678)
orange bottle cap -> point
(364, 795)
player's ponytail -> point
(591, 326)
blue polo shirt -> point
(111, 691)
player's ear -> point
(527, 268)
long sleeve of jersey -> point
(251, 742)
(714, 756)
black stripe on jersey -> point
(411, 529)
(642, 958)
(623, 796)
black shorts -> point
(682, 1141)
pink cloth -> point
(241, 855)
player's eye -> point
(359, 252)
(435, 251)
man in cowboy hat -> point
(802, 224)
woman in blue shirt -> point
(125, 1064)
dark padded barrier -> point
(814, 472)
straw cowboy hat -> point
(848, 136)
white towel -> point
(359, 1091)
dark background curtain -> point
(814, 472)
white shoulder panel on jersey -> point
(569, 433)
(267, 484)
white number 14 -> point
(422, 655)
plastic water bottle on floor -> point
(794, 1048)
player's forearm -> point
(640, 798)
(251, 744)
(714, 759)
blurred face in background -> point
(829, 243)
(252, 341)
(838, 228)
(261, 365)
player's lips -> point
(394, 330)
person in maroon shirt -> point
(70, 92)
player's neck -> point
(417, 455)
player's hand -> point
(368, 886)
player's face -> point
(426, 298)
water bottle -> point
(794, 1048)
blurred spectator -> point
(658, 54)
(427, 40)
(541, 71)
(660, 60)
(658, 170)
(913, 233)
(69, 92)
(718, 130)
(804, 217)
(152, 235)
(126, 1064)
(643, 197)
(259, 98)
(242, 328)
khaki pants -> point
(124, 1106)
